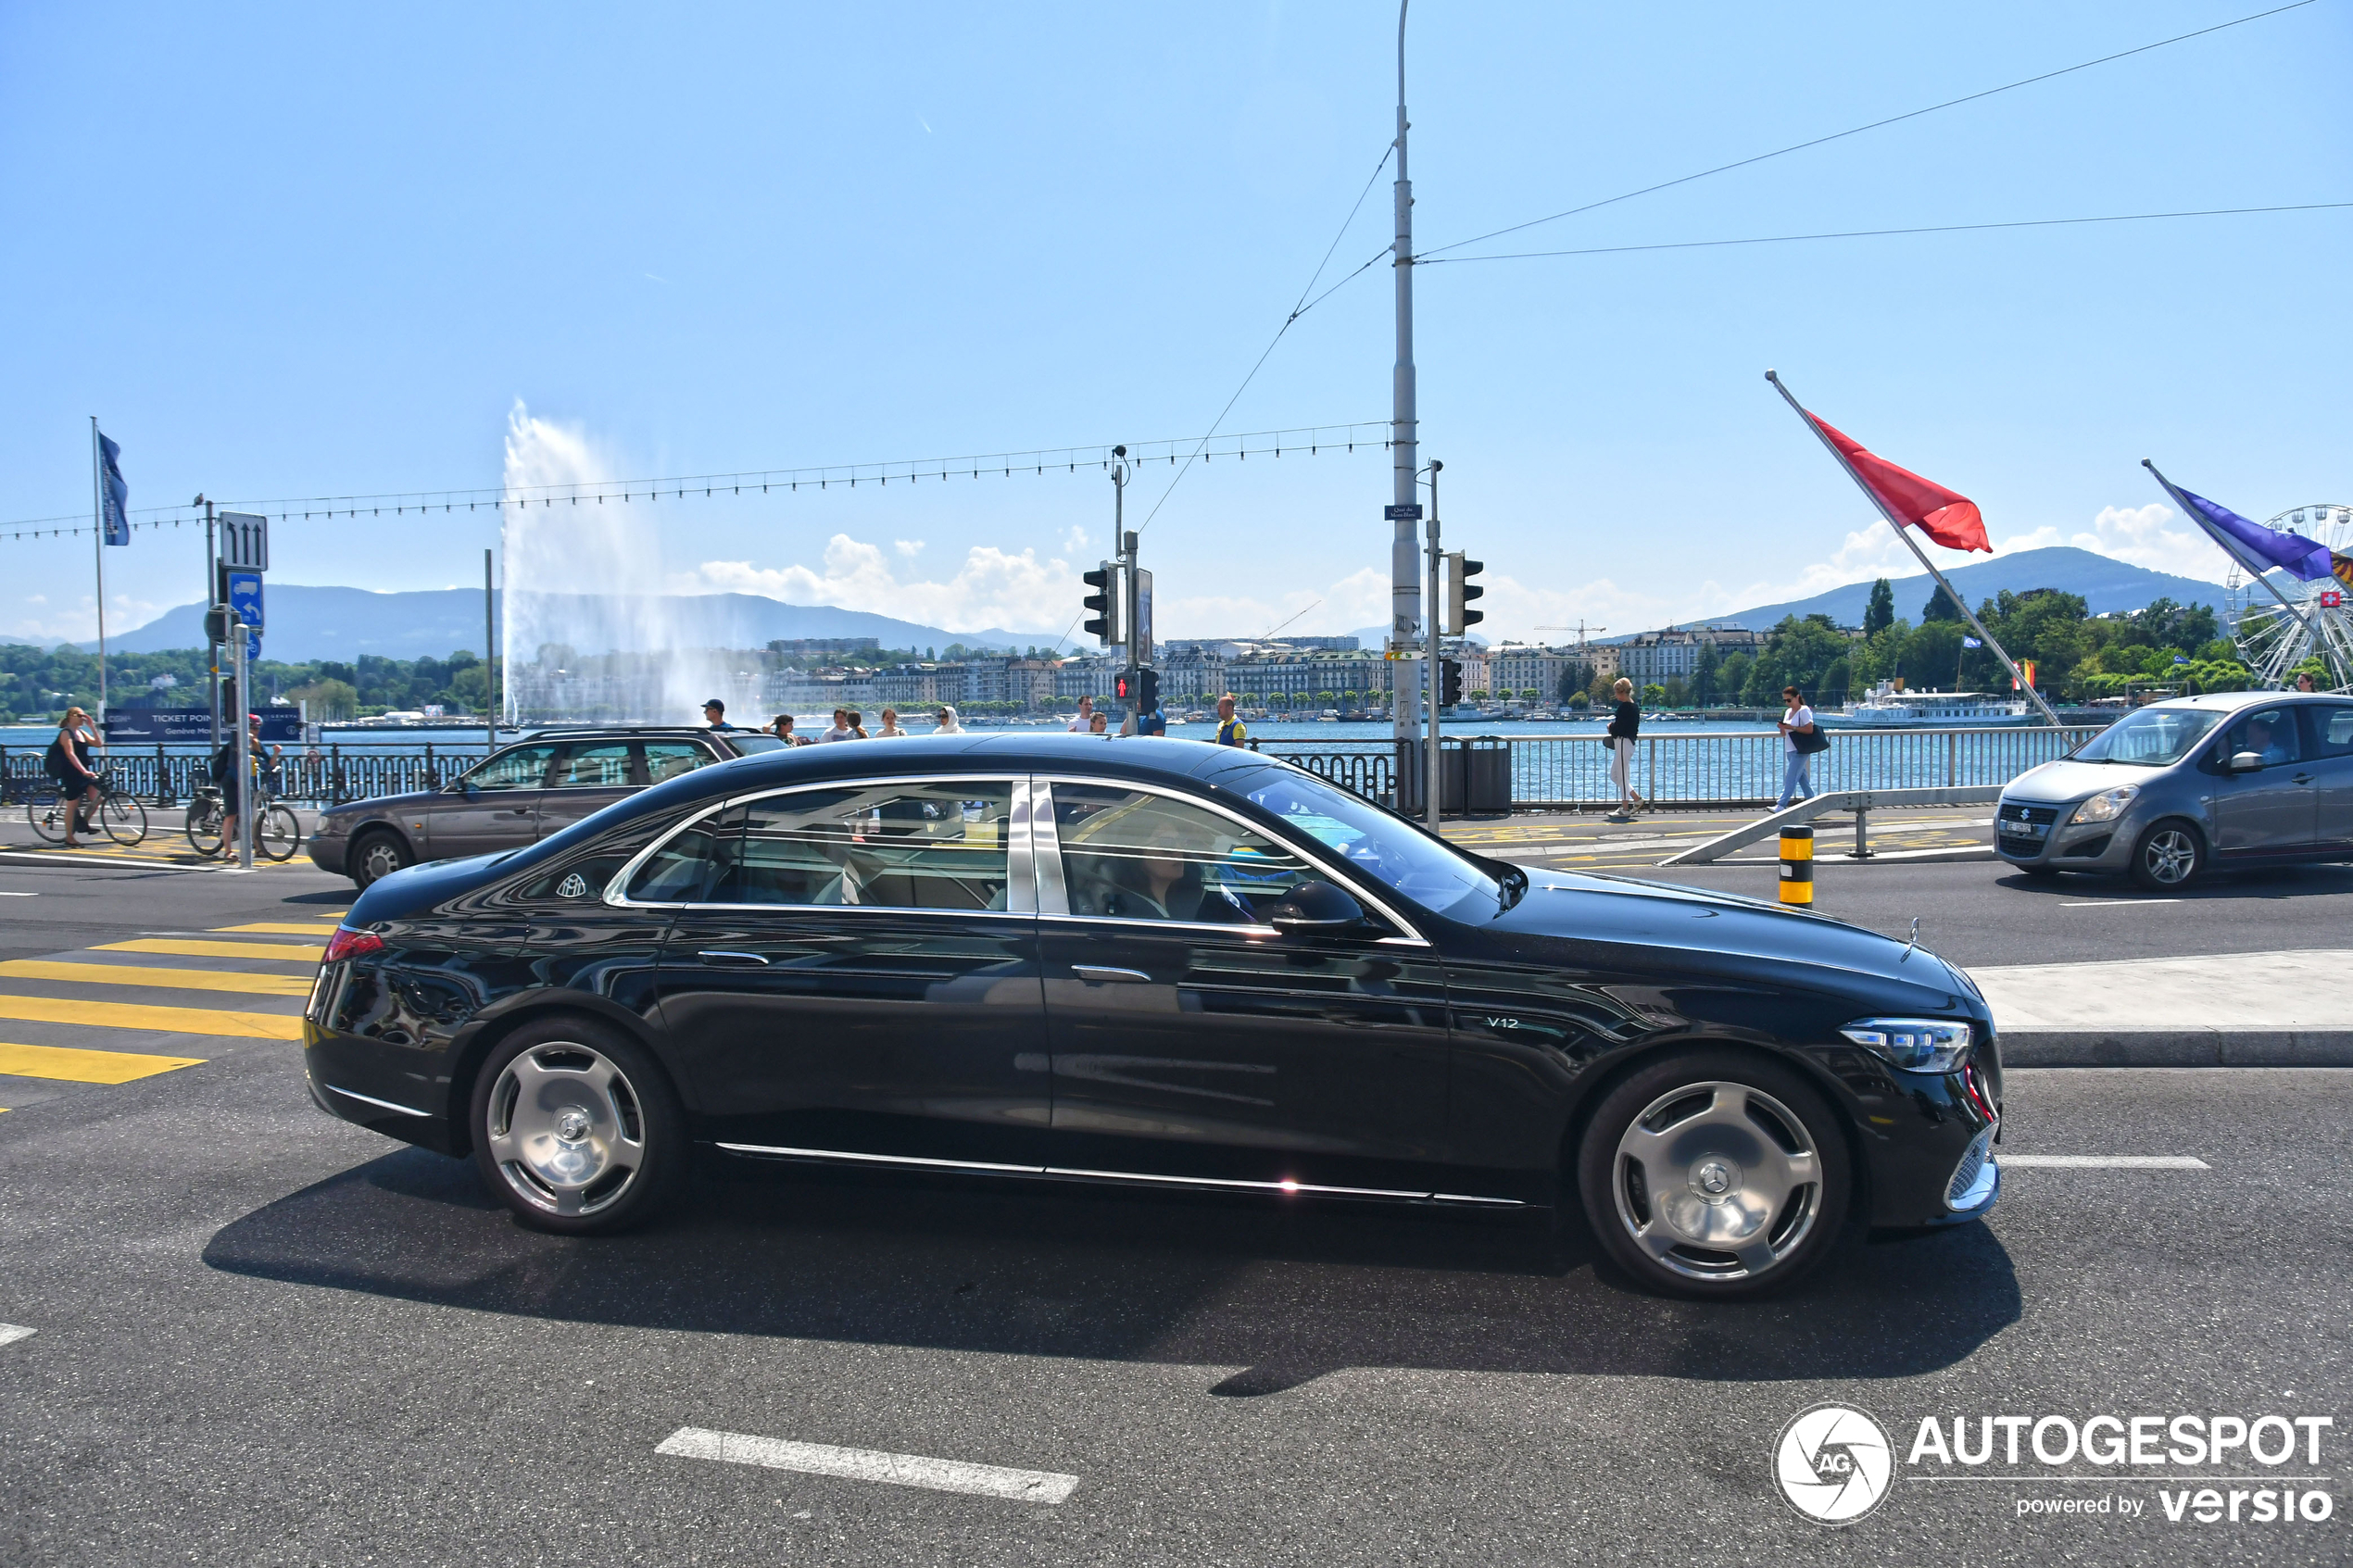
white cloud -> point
(1075, 540)
(908, 547)
(992, 588)
(2153, 536)
(75, 619)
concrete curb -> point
(2177, 1047)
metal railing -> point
(165, 776)
(1733, 769)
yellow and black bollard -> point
(1797, 865)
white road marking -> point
(870, 1465)
(2101, 1162)
(10, 1332)
(19, 895)
(2113, 903)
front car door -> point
(852, 971)
(2272, 812)
(1192, 1041)
(494, 807)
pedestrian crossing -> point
(118, 1012)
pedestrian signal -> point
(1119, 687)
(1450, 682)
(1148, 691)
(1460, 590)
(1103, 602)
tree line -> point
(38, 684)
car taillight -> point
(350, 944)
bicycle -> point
(277, 832)
(118, 813)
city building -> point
(1655, 658)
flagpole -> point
(1904, 534)
(98, 516)
(2232, 547)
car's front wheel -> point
(2169, 857)
(1714, 1175)
(577, 1128)
(376, 856)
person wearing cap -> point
(714, 714)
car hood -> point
(1734, 937)
(2060, 782)
(384, 803)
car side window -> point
(1129, 854)
(525, 767)
(690, 864)
(600, 765)
(904, 846)
(668, 758)
(2332, 728)
(2270, 733)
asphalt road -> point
(261, 1335)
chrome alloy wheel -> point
(1717, 1181)
(2169, 855)
(566, 1129)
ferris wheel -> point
(2314, 622)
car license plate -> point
(2023, 830)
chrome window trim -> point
(1059, 907)
(614, 895)
(1021, 861)
(384, 1104)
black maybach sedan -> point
(1144, 961)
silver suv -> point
(2179, 788)
(516, 796)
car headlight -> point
(1916, 1045)
(2107, 806)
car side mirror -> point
(1315, 909)
(2247, 762)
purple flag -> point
(2278, 548)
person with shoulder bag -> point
(68, 763)
(1801, 738)
(1625, 727)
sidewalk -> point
(1588, 841)
(2234, 1010)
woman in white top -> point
(949, 723)
(1798, 720)
(890, 729)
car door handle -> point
(2303, 778)
(1100, 973)
(724, 959)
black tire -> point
(277, 834)
(208, 827)
(124, 819)
(48, 817)
(2169, 856)
(374, 856)
(1739, 1118)
(576, 1129)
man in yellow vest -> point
(1229, 729)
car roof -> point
(2229, 702)
(619, 732)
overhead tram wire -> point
(1299, 309)
(1877, 233)
(1859, 129)
(1312, 439)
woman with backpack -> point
(68, 763)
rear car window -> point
(669, 758)
(598, 765)
(2331, 729)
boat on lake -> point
(1884, 708)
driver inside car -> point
(1162, 879)
(2270, 736)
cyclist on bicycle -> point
(68, 763)
(224, 770)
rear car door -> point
(2329, 746)
(494, 807)
(587, 777)
(2274, 811)
(852, 971)
(1191, 1039)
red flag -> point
(1953, 521)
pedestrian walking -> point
(714, 715)
(947, 722)
(890, 729)
(1084, 722)
(1230, 730)
(68, 763)
(841, 729)
(2304, 682)
(1625, 725)
(1796, 763)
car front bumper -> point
(328, 852)
(2061, 844)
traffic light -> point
(1119, 685)
(216, 624)
(1148, 691)
(1104, 602)
(1450, 682)
(1460, 591)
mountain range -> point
(2105, 585)
(305, 622)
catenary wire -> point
(1859, 129)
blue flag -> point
(1971, 642)
(114, 496)
(2267, 548)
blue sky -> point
(290, 251)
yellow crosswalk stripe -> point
(86, 1067)
(168, 978)
(284, 928)
(307, 952)
(137, 1015)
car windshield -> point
(1385, 847)
(2152, 738)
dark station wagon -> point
(516, 796)
(1150, 963)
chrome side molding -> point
(380, 1104)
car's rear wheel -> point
(2169, 857)
(1714, 1175)
(577, 1128)
(376, 856)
